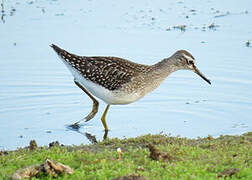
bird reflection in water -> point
(89, 136)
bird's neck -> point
(157, 73)
(166, 67)
(154, 75)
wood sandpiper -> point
(120, 81)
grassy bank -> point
(226, 157)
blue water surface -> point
(38, 98)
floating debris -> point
(212, 26)
(2, 12)
(228, 13)
(13, 10)
(248, 43)
(59, 14)
(30, 2)
(180, 27)
(177, 27)
(222, 15)
(193, 11)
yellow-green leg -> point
(94, 109)
(95, 103)
(103, 119)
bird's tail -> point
(64, 54)
(59, 51)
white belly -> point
(110, 97)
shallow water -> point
(38, 98)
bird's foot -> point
(75, 126)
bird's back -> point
(109, 72)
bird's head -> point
(187, 61)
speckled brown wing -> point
(109, 72)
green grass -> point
(202, 158)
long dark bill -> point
(196, 70)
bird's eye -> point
(190, 62)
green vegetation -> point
(226, 157)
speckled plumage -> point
(109, 72)
(120, 81)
